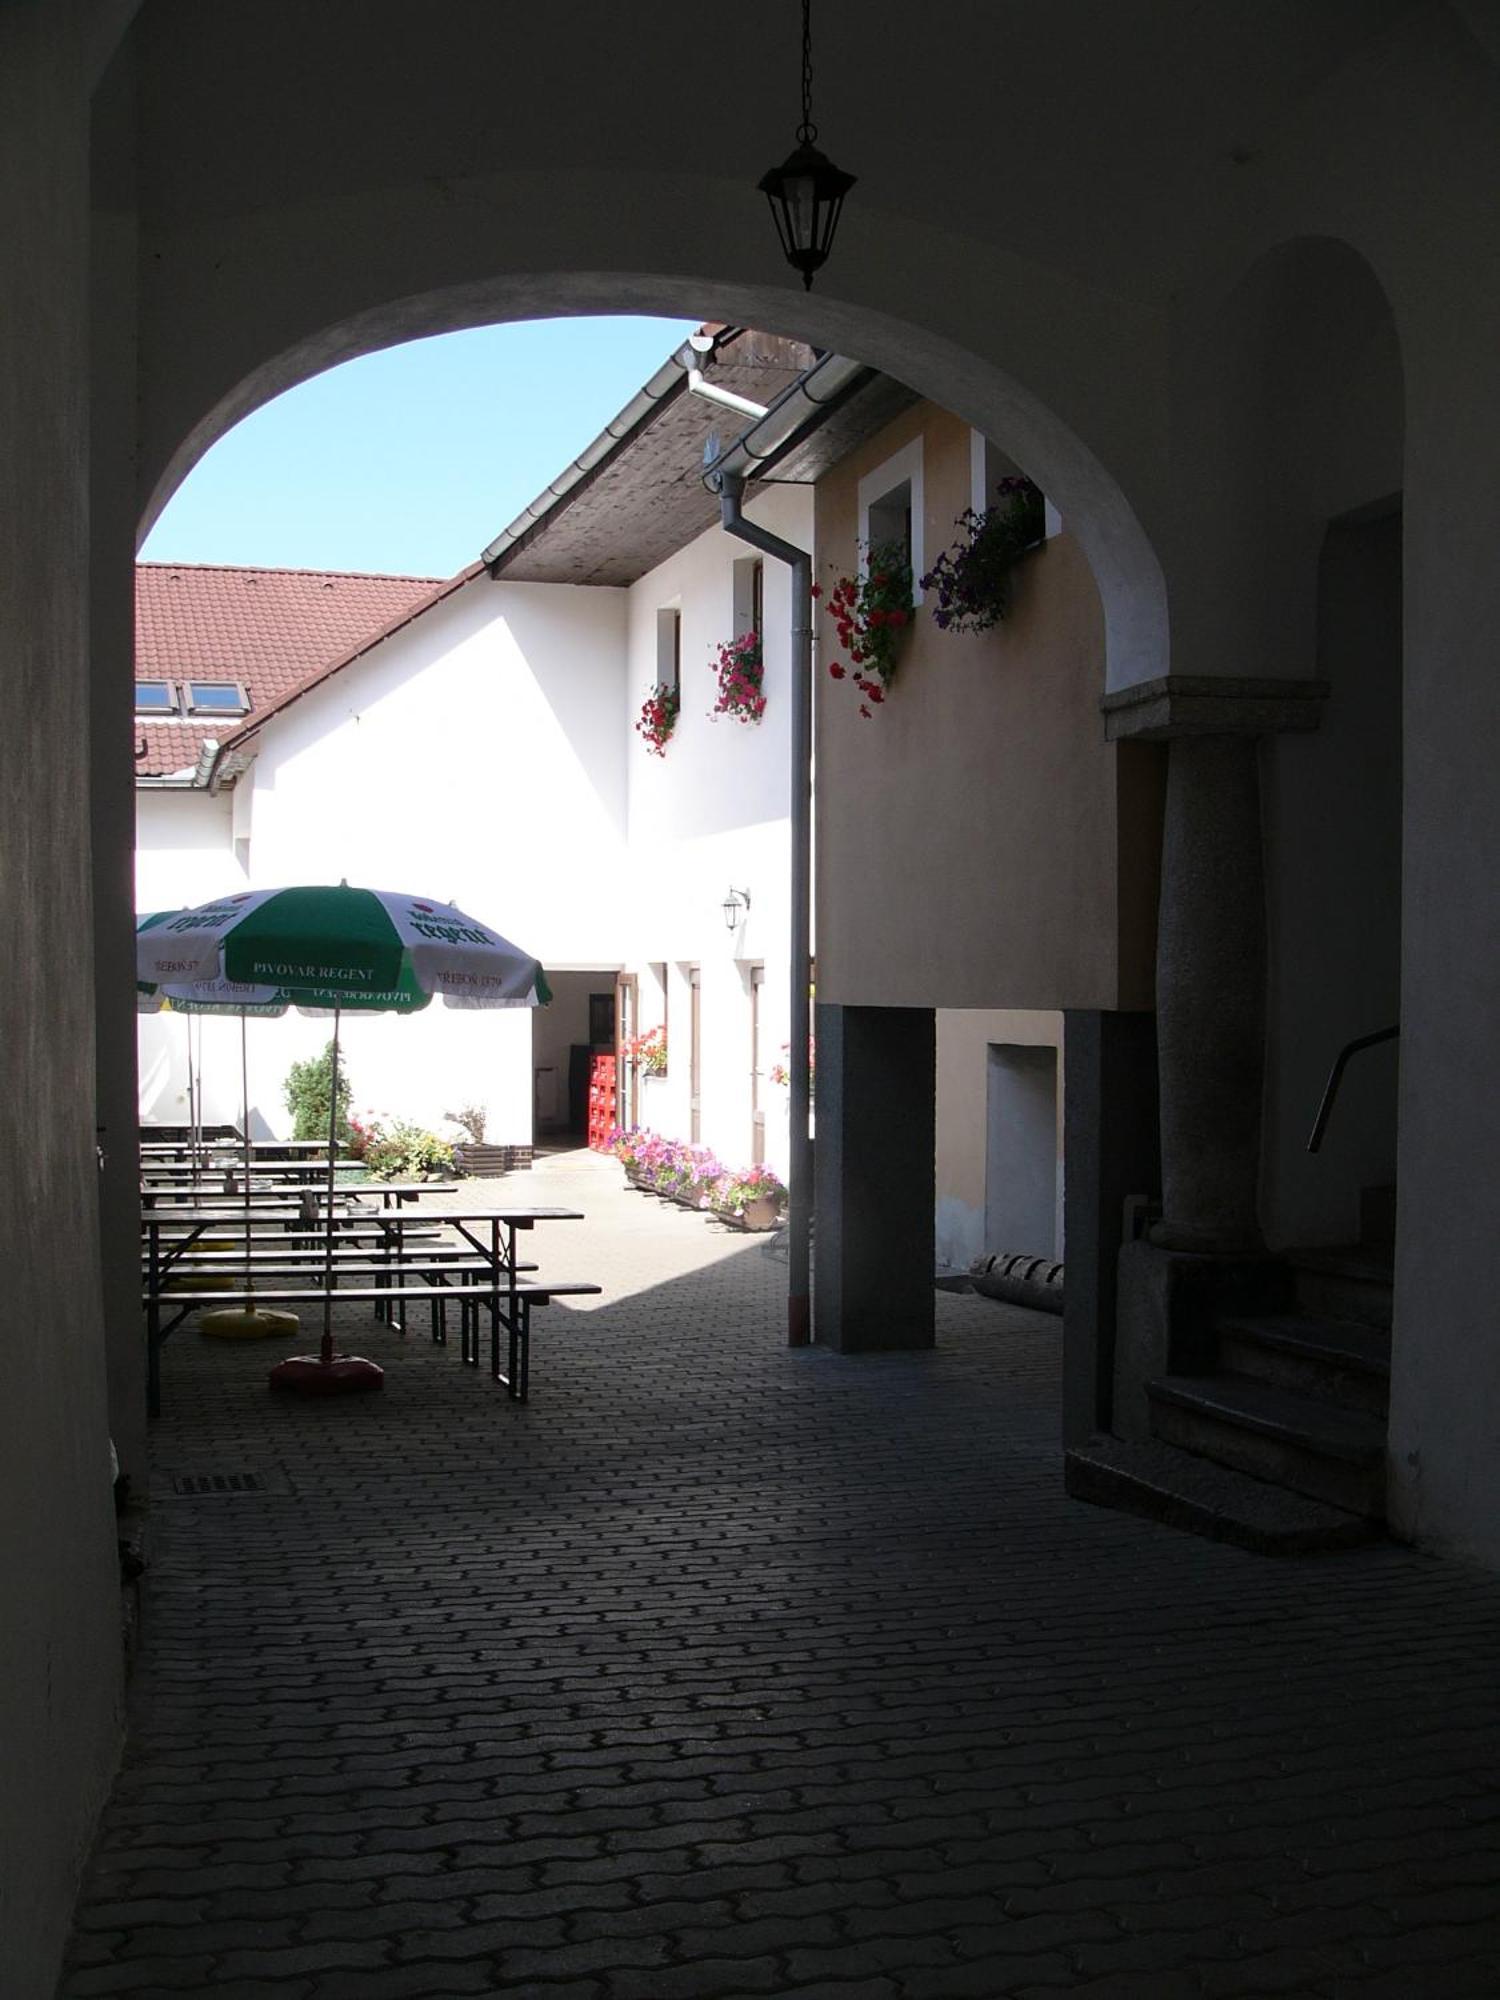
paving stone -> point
(727, 1669)
(406, 1982)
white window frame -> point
(902, 468)
(669, 646)
(984, 457)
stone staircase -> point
(1271, 1429)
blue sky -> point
(409, 461)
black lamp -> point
(736, 903)
(807, 190)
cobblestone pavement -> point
(722, 1669)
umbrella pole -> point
(329, 1373)
(245, 1130)
(192, 1104)
(333, 1138)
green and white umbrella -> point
(332, 948)
(342, 943)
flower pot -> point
(761, 1213)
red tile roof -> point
(270, 630)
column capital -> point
(1211, 705)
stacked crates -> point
(601, 1101)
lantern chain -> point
(807, 131)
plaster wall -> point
(971, 846)
(475, 755)
(60, 1648)
(964, 1038)
(709, 816)
(184, 852)
(185, 855)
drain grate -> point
(215, 1485)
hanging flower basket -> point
(741, 670)
(971, 581)
(658, 717)
(649, 1051)
(872, 615)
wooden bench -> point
(509, 1300)
(420, 1261)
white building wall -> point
(185, 855)
(709, 816)
(475, 755)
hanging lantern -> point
(807, 190)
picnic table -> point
(481, 1270)
(175, 1172)
(268, 1196)
(271, 1148)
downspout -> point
(796, 410)
(799, 1189)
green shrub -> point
(306, 1094)
(402, 1151)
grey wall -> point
(1020, 1181)
(59, 1620)
(1332, 804)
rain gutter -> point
(677, 374)
(798, 409)
(196, 780)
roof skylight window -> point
(216, 698)
(155, 698)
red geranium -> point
(871, 615)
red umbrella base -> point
(311, 1375)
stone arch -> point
(1091, 499)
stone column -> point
(1211, 996)
(1112, 1151)
(875, 1178)
(1211, 944)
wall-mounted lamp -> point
(736, 905)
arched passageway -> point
(1065, 207)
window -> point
(669, 649)
(890, 509)
(216, 698)
(749, 596)
(988, 465)
(155, 698)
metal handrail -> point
(1335, 1077)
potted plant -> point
(971, 581)
(740, 669)
(471, 1155)
(872, 615)
(658, 717)
(403, 1151)
(626, 1143)
(753, 1198)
